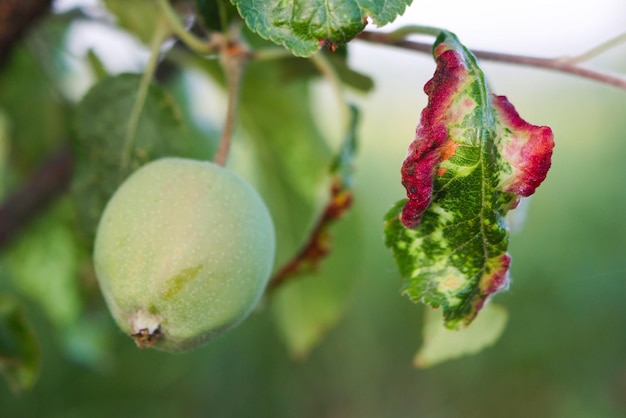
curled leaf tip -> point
(526, 147)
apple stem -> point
(233, 57)
(161, 33)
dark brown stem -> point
(52, 178)
(16, 17)
(554, 64)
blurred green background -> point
(563, 353)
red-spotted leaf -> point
(472, 159)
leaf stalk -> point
(323, 65)
(193, 42)
(160, 34)
(233, 58)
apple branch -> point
(50, 181)
(564, 65)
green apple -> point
(183, 252)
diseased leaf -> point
(441, 344)
(303, 25)
(19, 350)
(101, 122)
(472, 160)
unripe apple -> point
(183, 252)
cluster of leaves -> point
(470, 180)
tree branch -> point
(49, 182)
(554, 64)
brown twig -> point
(554, 64)
(52, 178)
(233, 56)
(318, 245)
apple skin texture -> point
(183, 252)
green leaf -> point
(97, 67)
(100, 126)
(43, 265)
(472, 160)
(303, 25)
(36, 114)
(139, 18)
(19, 350)
(441, 344)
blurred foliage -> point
(140, 19)
(561, 355)
(19, 349)
(48, 245)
